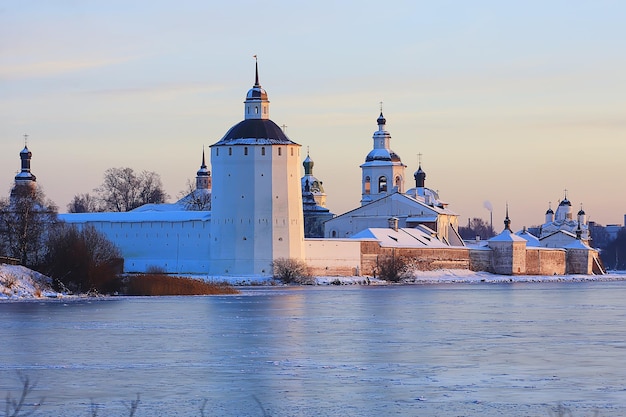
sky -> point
(508, 102)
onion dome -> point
(25, 174)
(565, 203)
(308, 165)
(420, 177)
(581, 212)
(381, 121)
(549, 211)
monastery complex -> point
(262, 208)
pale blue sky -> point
(507, 101)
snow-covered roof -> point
(136, 216)
(255, 132)
(565, 232)
(578, 244)
(401, 238)
(531, 240)
(430, 212)
(158, 207)
(506, 236)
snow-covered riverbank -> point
(18, 282)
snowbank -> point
(18, 282)
(441, 276)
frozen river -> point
(421, 350)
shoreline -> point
(27, 285)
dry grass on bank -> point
(161, 284)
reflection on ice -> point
(483, 349)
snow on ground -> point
(441, 276)
(18, 282)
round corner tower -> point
(256, 207)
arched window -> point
(333, 234)
(382, 184)
(398, 183)
(263, 151)
(256, 109)
(367, 185)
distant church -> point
(564, 222)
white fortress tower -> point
(383, 171)
(256, 205)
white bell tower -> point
(383, 171)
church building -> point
(384, 199)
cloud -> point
(161, 90)
(52, 68)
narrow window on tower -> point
(291, 151)
(245, 150)
(367, 185)
(263, 151)
(382, 184)
(217, 151)
(397, 184)
(230, 151)
(256, 109)
(280, 151)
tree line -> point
(79, 259)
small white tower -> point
(256, 206)
(383, 171)
(203, 176)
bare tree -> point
(392, 268)
(195, 199)
(123, 190)
(83, 259)
(84, 203)
(476, 227)
(292, 270)
(25, 219)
